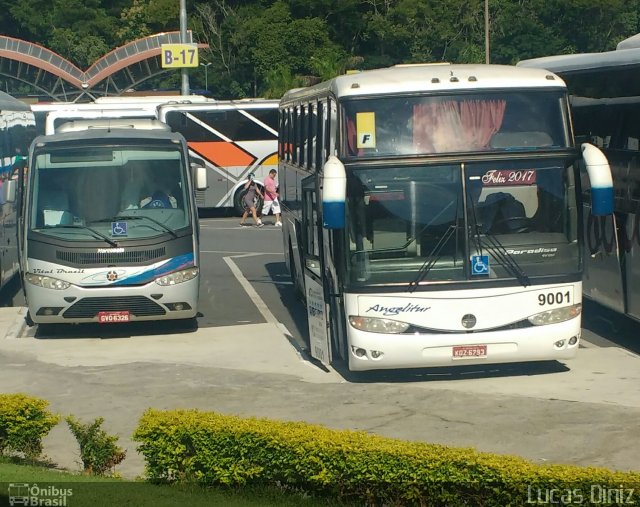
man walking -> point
(271, 197)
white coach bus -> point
(234, 139)
(110, 226)
(430, 215)
(604, 93)
(50, 115)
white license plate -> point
(113, 317)
(469, 351)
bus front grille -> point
(106, 257)
(139, 306)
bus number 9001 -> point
(554, 298)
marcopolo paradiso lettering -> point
(396, 310)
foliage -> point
(257, 45)
(94, 491)
(278, 80)
(99, 451)
(24, 422)
(211, 449)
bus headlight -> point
(178, 277)
(46, 282)
(376, 325)
(557, 315)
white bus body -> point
(94, 248)
(17, 130)
(430, 215)
(233, 138)
(605, 101)
(50, 115)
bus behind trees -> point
(17, 130)
(605, 101)
(109, 228)
(430, 215)
(233, 139)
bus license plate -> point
(469, 351)
(113, 317)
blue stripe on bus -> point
(333, 215)
(601, 201)
(172, 265)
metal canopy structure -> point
(121, 69)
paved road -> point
(246, 357)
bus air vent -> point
(106, 257)
(87, 308)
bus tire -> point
(240, 206)
(28, 320)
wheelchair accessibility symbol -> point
(479, 264)
(118, 228)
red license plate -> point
(469, 351)
(113, 317)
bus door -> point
(319, 344)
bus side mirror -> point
(201, 177)
(599, 173)
(334, 194)
(9, 191)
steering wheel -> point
(159, 200)
(510, 224)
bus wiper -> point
(90, 229)
(500, 253)
(138, 217)
(432, 258)
(507, 260)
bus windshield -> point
(428, 224)
(464, 122)
(84, 193)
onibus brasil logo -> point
(34, 495)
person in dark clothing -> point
(251, 189)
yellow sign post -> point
(179, 55)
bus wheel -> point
(239, 205)
(28, 320)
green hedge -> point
(215, 449)
(24, 422)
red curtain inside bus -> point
(452, 126)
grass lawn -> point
(88, 491)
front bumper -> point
(537, 343)
(143, 302)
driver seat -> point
(504, 214)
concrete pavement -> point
(585, 411)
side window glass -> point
(333, 123)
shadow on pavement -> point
(11, 294)
(111, 331)
(291, 301)
(452, 373)
(610, 328)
